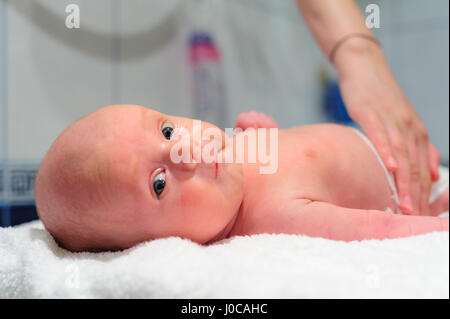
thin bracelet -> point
(349, 36)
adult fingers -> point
(424, 168)
(414, 170)
(403, 173)
(376, 131)
(434, 159)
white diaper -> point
(437, 188)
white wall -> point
(3, 80)
(133, 52)
(51, 83)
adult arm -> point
(375, 101)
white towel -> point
(260, 266)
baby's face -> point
(138, 192)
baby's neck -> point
(234, 227)
(250, 168)
(225, 233)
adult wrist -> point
(356, 54)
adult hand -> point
(375, 101)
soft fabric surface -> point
(262, 266)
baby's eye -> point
(167, 130)
(159, 183)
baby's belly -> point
(333, 164)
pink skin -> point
(341, 197)
(94, 188)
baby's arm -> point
(319, 219)
(254, 120)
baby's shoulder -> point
(271, 216)
(319, 128)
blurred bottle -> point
(332, 102)
(207, 80)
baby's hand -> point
(254, 119)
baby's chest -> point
(339, 174)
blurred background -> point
(209, 59)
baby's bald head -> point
(96, 187)
(80, 182)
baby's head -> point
(108, 182)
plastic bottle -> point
(207, 81)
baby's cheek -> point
(197, 201)
(188, 199)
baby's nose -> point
(181, 154)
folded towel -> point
(259, 266)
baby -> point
(109, 182)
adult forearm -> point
(331, 20)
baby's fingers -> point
(244, 120)
(405, 226)
(254, 119)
